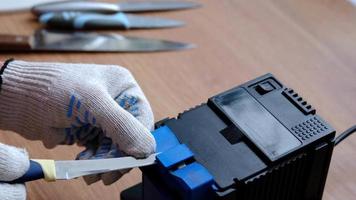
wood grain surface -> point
(308, 45)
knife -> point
(52, 170)
(83, 20)
(46, 40)
(11, 6)
(103, 7)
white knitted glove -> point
(66, 103)
(14, 163)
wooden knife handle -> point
(14, 43)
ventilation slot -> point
(298, 101)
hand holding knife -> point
(52, 170)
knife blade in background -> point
(15, 6)
(99, 7)
(84, 20)
(52, 170)
(150, 6)
(45, 40)
(103, 7)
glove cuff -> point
(25, 85)
(2, 69)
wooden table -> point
(309, 45)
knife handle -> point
(38, 169)
(79, 20)
(14, 42)
(83, 6)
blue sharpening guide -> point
(178, 168)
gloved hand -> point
(77, 103)
(14, 163)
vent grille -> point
(309, 128)
(281, 183)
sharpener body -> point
(258, 141)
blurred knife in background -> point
(103, 7)
(45, 40)
(84, 20)
(19, 5)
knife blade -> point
(149, 6)
(83, 20)
(52, 170)
(103, 7)
(67, 41)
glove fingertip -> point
(14, 162)
(143, 148)
(13, 191)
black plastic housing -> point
(260, 141)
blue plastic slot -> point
(165, 139)
(174, 155)
(194, 180)
(194, 175)
(189, 181)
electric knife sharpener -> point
(258, 141)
